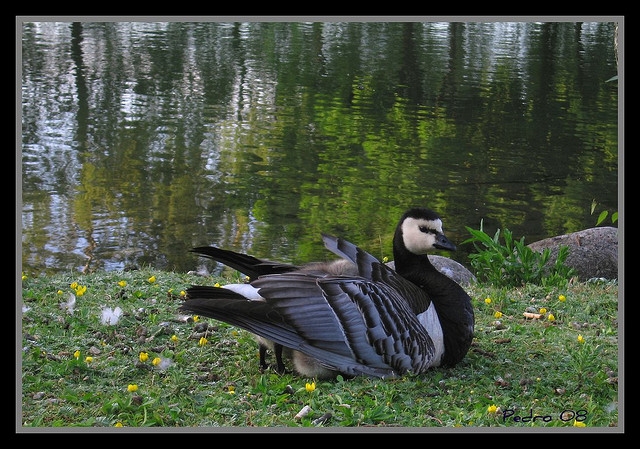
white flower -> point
(70, 304)
(164, 364)
(111, 316)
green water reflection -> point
(141, 141)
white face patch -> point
(416, 235)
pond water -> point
(141, 140)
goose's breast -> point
(431, 322)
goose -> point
(379, 322)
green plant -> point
(603, 215)
(513, 264)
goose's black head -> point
(419, 232)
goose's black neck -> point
(419, 270)
(451, 301)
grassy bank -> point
(110, 350)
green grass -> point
(520, 367)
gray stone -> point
(593, 252)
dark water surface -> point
(141, 140)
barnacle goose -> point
(378, 323)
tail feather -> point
(244, 263)
(254, 316)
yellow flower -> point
(498, 314)
(80, 289)
(88, 359)
(157, 361)
(217, 284)
(579, 424)
(196, 318)
(59, 292)
(76, 354)
(143, 357)
(543, 310)
(24, 277)
(132, 388)
(310, 386)
(487, 301)
(174, 338)
(385, 259)
(562, 298)
(152, 279)
(122, 283)
(203, 341)
(183, 293)
(232, 389)
(580, 339)
(551, 317)
(73, 285)
(118, 424)
(492, 409)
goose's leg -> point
(277, 349)
(263, 358)
(279, 362)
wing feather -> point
(384, 330)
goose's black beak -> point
(442, 242)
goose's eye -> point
(426, 230)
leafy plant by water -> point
(512, 263)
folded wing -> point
(349, 324)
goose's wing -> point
(248, 265)
(372, 269)
(299, 318)
(371, 322)
(347, 250)
(350, 325)
(226, 305)
(378, 324)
